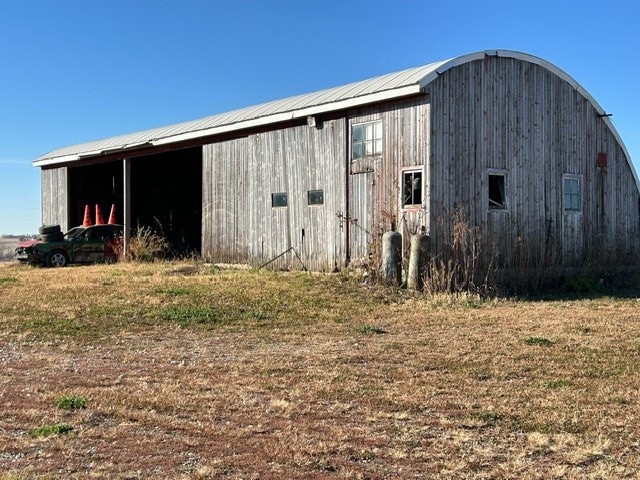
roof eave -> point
(301, 113)
(400, 92)
(47, 162)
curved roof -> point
(385, 87)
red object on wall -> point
(602, 160)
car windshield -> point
(74, 232)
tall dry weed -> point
(464, 265)
(147, 245)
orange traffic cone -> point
(99, 219)
(87, 217)
(112, 215)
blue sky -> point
(74, 71)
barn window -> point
(278, 200)
(412, 188)
(572, 193)
(315, 197)
(366, 140)
(497, 194)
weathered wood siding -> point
(55, 197)
(516, 117)
(493, 115)
(374, 198)
(240, 175)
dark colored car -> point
(92, 244)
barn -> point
(503, 141)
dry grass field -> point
(178, 370)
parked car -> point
(92, 244)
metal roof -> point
(393, 85)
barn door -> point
(572, 220)
(572, 239)
(360, 216)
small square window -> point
(497, 194)
(411, 188)
(572, 194)
(315, 197)
(278, 200)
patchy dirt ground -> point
(404, 388)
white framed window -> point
(572, 192)
(412, 181)
(497, 184)
(366, 140)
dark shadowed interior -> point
(166, 194)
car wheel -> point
(57, 259)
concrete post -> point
(392, 259)
(418, 261)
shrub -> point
(147, 245)
(585, 283)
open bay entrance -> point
(166, 196)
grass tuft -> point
(556, 384)
(49, 430)
(173, 291)
(488, 417)
(70, 402)
(190, 314)
(539, 341)
(372, 330)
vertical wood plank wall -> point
(519, 118)
(375, 196)
(240, 175)
(492, 115)
(54, 197)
